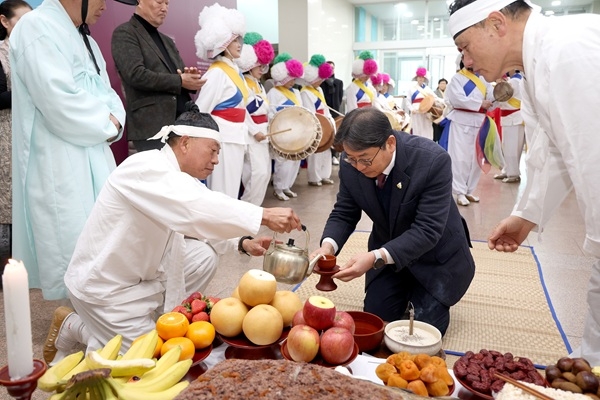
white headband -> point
(475, 12)
(186, 130)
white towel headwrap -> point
(476, 12)
(186, 130)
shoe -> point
(511, 179)
(327, 181)
(315, 183)
(473, 199)
(290, 193)
(60, 314)
(281, 196)
(335, 161)
(500, 176)
(461, 200)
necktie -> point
(381, 180)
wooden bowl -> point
(326, 262)
(369, 330)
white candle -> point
(19, 344)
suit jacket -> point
(150, 85)
(423, 230)
(333, 91)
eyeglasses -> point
(362, 161)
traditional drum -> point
(437, 110)
(294, 133)
(503, 91)
(338, 122)
(426, 104)
(328, 129)
(395, 119)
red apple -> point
(319, 312)
(337, 345)
(298, 318)
(344, 320)
(303, 343)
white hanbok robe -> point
(319, 164)
(421, 122)
(561, 128)
(61, 123)
(513, 130)
(149, 204)
(284, 171)
(219, 92)
(257, 160)
(357, 98)
(464, 127)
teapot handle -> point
(274, 240)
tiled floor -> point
(566, 269)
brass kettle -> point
(288, 262)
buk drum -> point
(328, 129)
(395, 119)
(294, 133)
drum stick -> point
(336, 111)
(278, 132)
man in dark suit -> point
(157, 84)
(419, 246)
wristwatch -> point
(240, 245)
(379, 261)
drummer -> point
(360, 93)
(254, 61)
(284, 72)
(225, 93)
(315, 72)
(421, 121)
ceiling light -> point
(414, 22)
(549, 12)
(555, 3)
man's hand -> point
(280, 219)
(325, 249)
(357, 266)
(191, 78)
(117, 125)
(509, 234)
(258, 246)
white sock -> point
(72, 332)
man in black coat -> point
(157, 84)
(418, 250)
(333, 90)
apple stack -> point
(336, 342)
(256, 309)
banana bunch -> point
(596, 370)
(104, 375)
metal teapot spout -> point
(312, 263)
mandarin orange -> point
(202, 333)
(187, 347)
(172, 325)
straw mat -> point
(505, 308)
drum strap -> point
(362, 87)
(289, 94)
(235, 77)
(475, 79)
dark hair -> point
(7, 8)
(513, 10)
(193, 117)
(331, 63)
(442, 80)
(364, 128)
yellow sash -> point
(316, 93)
(362, 86)
(234, 76)
(289, 94)
(516, 103)
(480, 85)
(255, 87)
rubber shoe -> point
(511, 179)
(461, 200)
(289, 193)
(500, 176)
(60, 314)
(315, 184)
(281, 196)
(327, 181)
(472, 198)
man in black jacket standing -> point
(333, 89)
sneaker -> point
(281, 196)
(290, 193)
(335, 161)
(511, 179)
(315, 183)
(500, 176)
(462, 200)
(472, 198)
(327, 181)
(60, 314)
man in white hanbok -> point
(315, 72)
(470, 96)
(156, 203)
(65, 115)
(561, 126)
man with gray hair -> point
(418, 250)
(561, 126)
(173, 225)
